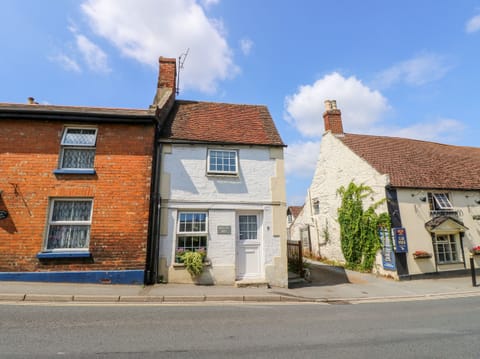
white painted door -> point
(248, 246)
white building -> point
(431, 191)
(222, 189)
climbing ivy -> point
(358, 227)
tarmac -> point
(328, 284)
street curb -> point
(48, 298)
(172, 299)
(12, 297)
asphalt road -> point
(423, 329)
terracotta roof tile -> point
(221, 123)
(419, 164)
(295, 210)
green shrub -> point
(193, 262)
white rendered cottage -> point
(431, 191)
(222, 189)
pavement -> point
(328, 284)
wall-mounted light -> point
(422, 198)
(477, 201)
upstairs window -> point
(440, 204)
(441, 201)
(222, 162)
(78, 148)
(316, 206)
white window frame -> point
(221, 171)
(51, 222)
(240, 232)
(192, 233)
(76, 146)
(451, 246)
(442, 200)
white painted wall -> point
(223, 197)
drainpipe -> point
(153, 243)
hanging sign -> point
(400, 238)
(388, 256)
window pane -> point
(80, 136)
(223, 161)
(192, 243)
(78, 158)
(71, 211)
(442, 201)
(248, 227)
(68, 237)
(192, 222)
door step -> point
(244, 283)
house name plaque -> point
(224, 229)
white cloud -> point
(301, 159)
(443, 130)
(246, 46)
(66, 62)
(208, 3)
(473, 25)
(361, 106)
(144, 30)
(94, 56)
(417, 71)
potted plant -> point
(193, 262)
(421, 254)
(179, 255)
(476, 250)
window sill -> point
(56, 255)
(223, 175)
(449, 263)
(74, 171)
(206, 263)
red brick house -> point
(75, 190)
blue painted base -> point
(103, 277)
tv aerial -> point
(181, 61)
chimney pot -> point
(333, 118)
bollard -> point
(472, 269)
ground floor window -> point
(446, 248)
(69, 224)
(192, 233)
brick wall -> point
(29, 152)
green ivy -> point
(359, 228)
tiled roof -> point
(36, 109)
(211, 122)
(419, 164)
(295, 210)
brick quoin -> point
(29, 153)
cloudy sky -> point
(406, 68)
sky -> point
(396, 68)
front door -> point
(248, 246)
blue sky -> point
(405, 68)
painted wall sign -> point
(3, 214)
(400, 238)
(224, 229)
(388, 256)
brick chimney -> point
(332, 118)
(168, 73)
